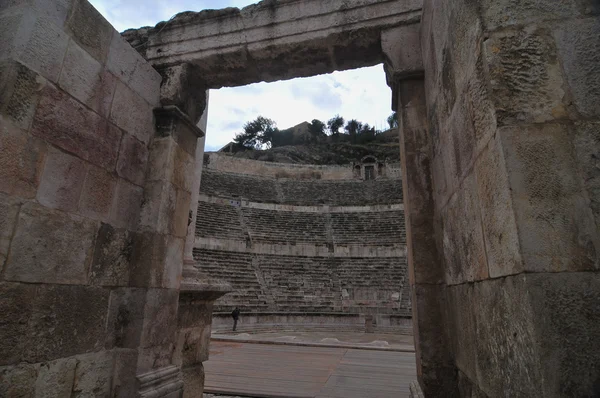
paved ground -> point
(392, 342)
(264, 370)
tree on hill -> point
(393, 120)
(316, 128)
(335, 124)
(257, 133)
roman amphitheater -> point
(123, 247)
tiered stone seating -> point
(218, 221)
(342, 193)
(285, 226)
(301, 284)
(235, 268)
(229, 185)
(384, 191)
(373, 228)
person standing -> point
(235, 314)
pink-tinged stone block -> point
(21, 160)
(132, 113)
(66, 123)
(98, 194)
(86, 79)
(50, 247)
(133, 157)
(89, 28)
(62, 181)
(126, 205)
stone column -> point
(188, 259)
(404, 73)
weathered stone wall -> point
(512, 94)
(90, 251)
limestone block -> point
(125, 317)
(157, 260)
(126, 206)
(133, 70)
(132, 113)
(112, 257)
(526, 78)
(97, 194)
(66, 320)
(86, 79)
(50, 247)
(183, 169)
(463, 243)
(193, 345)
(93, 375)
(133, 157)
(497, 213)
(587, 152)
(89, 28)
(578, 43)
(184, 87)
(19, 92)
(160, 317)
(64, 122)
(124, 380)
(159, 207)
(45, 48)
(18, 380)
(505, 341)
(193, 380)
(21, 160)
(498, 14)
(557, 230)
(62, 181)
(55, 379)
(169, 162)
(56, 11)
(156, 357)
(402, 48)
(462, 136)
(16, 306)
(567, 322)
(9, 209)
(180, 220)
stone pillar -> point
(404, 72)
(188, 259)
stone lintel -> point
(273, 41)
(163, 382)
(183, 86)
(199, 286)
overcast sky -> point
(357, 94)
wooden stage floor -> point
(274, 371)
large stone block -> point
(567, 325)
(89, 28)
(112, 257)
(557, 230)
(127, 205)
(525, 76)
(97, 194)
(587, 152)
(159, 207)
(45, 47)
(132, 113)
(56, 11)
(502, 13)
(19, 92)
(125, 317)
(66, 123)
(124, 379)
(16, 306)
(463, 243)
(497, 214)
(50, 247)
(157, 261)
(55, 379)
(133, 157)
(18, 380)
(507, 358)
(160, 317)
(62, 181)
(9, 209)
(66, 320)
(21, 160)
(85, 78)
(93, 375)
(578, 43)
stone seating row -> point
(301, 192)
(217, 220)
(308, 284)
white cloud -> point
(358, 94)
